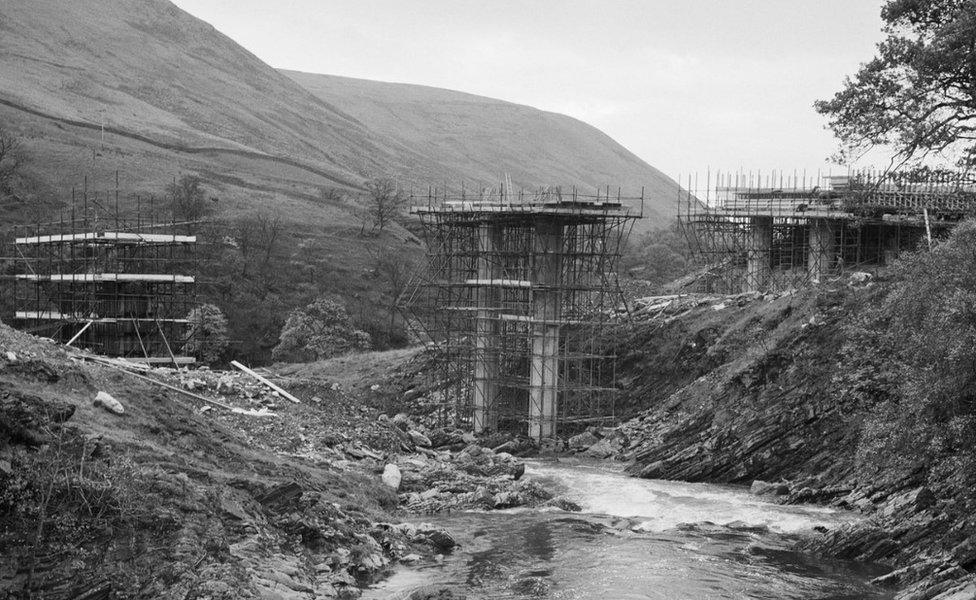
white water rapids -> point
(636, 539)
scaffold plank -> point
(109, 236)
(108, 277)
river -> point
(636, 538)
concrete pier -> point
(547, 305)
(759, 253)
(485, 357)
(822, 253)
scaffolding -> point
(751, 233)
(118, 285)
(518, 293)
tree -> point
(659, 256)
(394, 266)
(918, 95)
(207, 333)
(384, 204)
(269, 228)
(322, 329)
(11, 162)
(188, 197)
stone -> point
(11, 357)
(601, 449)
(5, 467)
(419, 439)
(410, 558)
(392, 476)
(232, 508)
(441, 539)
(566, 505)
(110, 404)
(582, 441)
(762, 488)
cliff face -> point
(748, 388)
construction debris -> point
(110, 404)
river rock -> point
(392, 476)
(419, 439)
(582, 441)
(441, 539)
(762, 488)
(601, 449)
(110, 404)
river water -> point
(636, 538)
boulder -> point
(392, 476)
(419, 439)
(601, 449)
(762, 488)
(110, 404)
(582, 441)
(441, 539)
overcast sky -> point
(685, 85)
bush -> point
(322, 329)
(207, 333)
(926, 328)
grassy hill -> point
(482, 139)
(140, 87)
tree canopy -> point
(918, 94)
(322, 329)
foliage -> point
(384, 204)
(188, 197)
(918, 95)
(322, 329)
(926, 328)
(659, 256)
(207, 333)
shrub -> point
(926, 327)
(322, 329)
(207, 333)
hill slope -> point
(142, 88)
(482, 139)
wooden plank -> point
(271, 385)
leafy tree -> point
(384, 204)
(918, 95)
(658, 256)
(207, 333)
(322, 329)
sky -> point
(686, 85)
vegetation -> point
(320, 330)
(918, 95)
(384, 204)
(207, 333)
(921, 405)
(189, 200)
(11, 162)
(658, 256)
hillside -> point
(481, 139)
(142, 88)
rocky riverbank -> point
(159, 494)
(762, 391)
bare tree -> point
(245, 232)
(384, 204)
(11, 161)
(269, 229)
(394, 267)
(190, 203)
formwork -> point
(751, 232)
(517, 297)
(117, 285)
